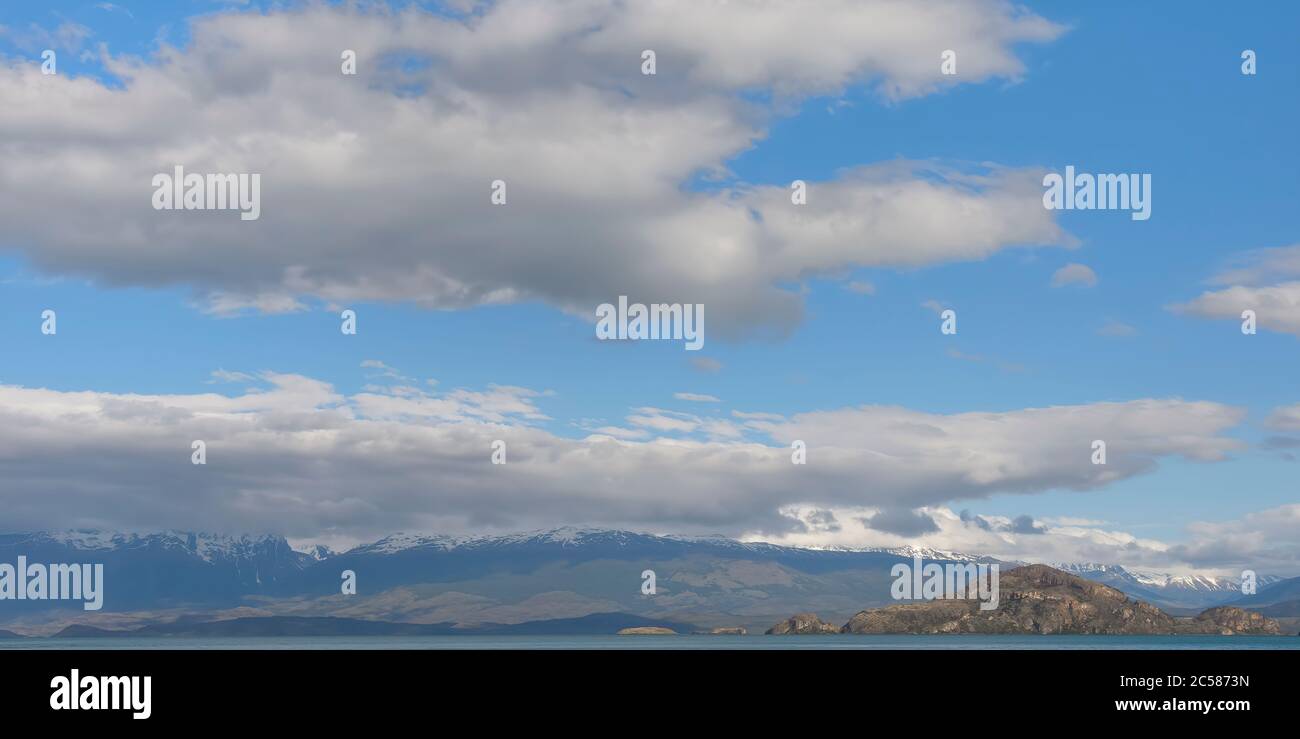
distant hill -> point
(596, 623)
(295, 626)
(1272, 594)
(266, 626)
(1285, 609)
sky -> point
(475, 322)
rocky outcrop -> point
(645, 631)
(803, 623)
(1229, 620)
(1034, 599)
(729, 631)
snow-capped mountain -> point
(1163, 588)
(148, 570)
(207, 547)
(566, 536)
(579, 537)
(317, 552)
(929, 554)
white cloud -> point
(546, 96)
(1266, 281)
(297, 457)
(1262, 266)
(1267, 540)
(382, 370)
(1074, 274)
(697, 397)
(1277, 307)
(619, 432)
(221, 375)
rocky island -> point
(1037, 599)
(803, 623)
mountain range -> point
(474, 582)
(1163, 589)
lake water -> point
(839, 641)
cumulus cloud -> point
(293, 455)
(1074, 274)
(548, 97)
(1266, 281)
(1277, 307)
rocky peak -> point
(803, 623)
(1229, 620)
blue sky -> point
(1124, 89)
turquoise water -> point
(839, 641)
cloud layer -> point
(376, 186)
(290, 454)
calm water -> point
(840, 641)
